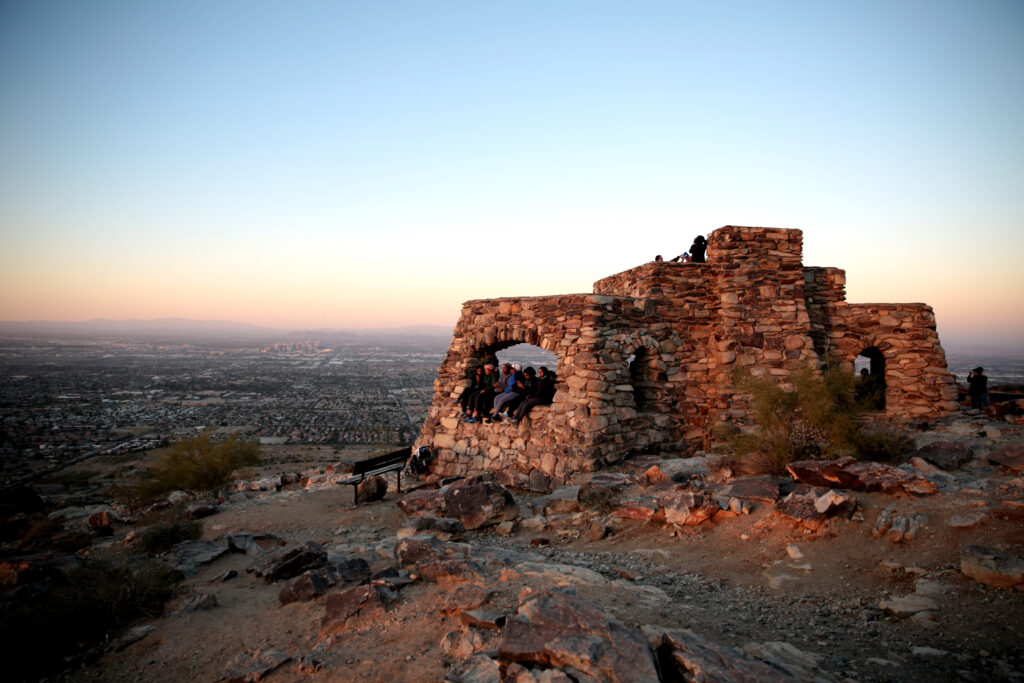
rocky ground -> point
(667, 568)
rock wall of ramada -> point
(648, 361)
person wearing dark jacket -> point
(469, 392)
(542, 394)
(519, 385)
(483, 396)
(697, 249)
(977, 388)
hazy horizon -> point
(341, 165)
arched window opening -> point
(644, 376)
(870, 368)
(528, 355)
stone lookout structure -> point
(648, 361)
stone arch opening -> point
(871, 384)
(527, 355)
(645, 378)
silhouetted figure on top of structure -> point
(698, 248)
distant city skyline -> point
(343, 165)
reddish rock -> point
(423, 502)
(948, 455)
(466, 597)
(655, 476)
(637, 509)
(752, 488)
(481, 504)
(684, 656)
(340, 608)
(308, 585)
(819, 472)
(483, 619)
(848, 473)
(812, 508)
(100, 520)
(992, 567)
(442, 528)
(685, 507)
(414, 549)
(553, 629)
(449, 572)
(1010, 457)
(289, 561)
(874, 476)
(255, 665)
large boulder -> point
(423, 502)
(340, 608)
(188, 556)
(480, 504)
(687, 657)
(685, 507)
(848, 473)
(992, 567)
(442, 528)
(289, 561)
(316, 582)
(751, 488)
(948, 455)
(1011, 457)
(558, 630)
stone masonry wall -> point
(649, 359)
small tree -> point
(198, 463)
(817, 418)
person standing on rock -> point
(977, 388)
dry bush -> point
(198, 463)
(73, 610)
(816, 419)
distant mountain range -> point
(184, 327)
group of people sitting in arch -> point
(696, 254)
(509, 394)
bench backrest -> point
(376, 462)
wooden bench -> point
(389, 462)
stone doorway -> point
(644, 376)
(871, 385)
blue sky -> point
(365, 164)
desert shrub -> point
(198, 463)
(78, 608)
(883, 442)
(815, 419)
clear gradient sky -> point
(357, 164)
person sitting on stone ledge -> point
(542, 394)
(477, 384)
(523, 390)
(515, 386)
(479, 401)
